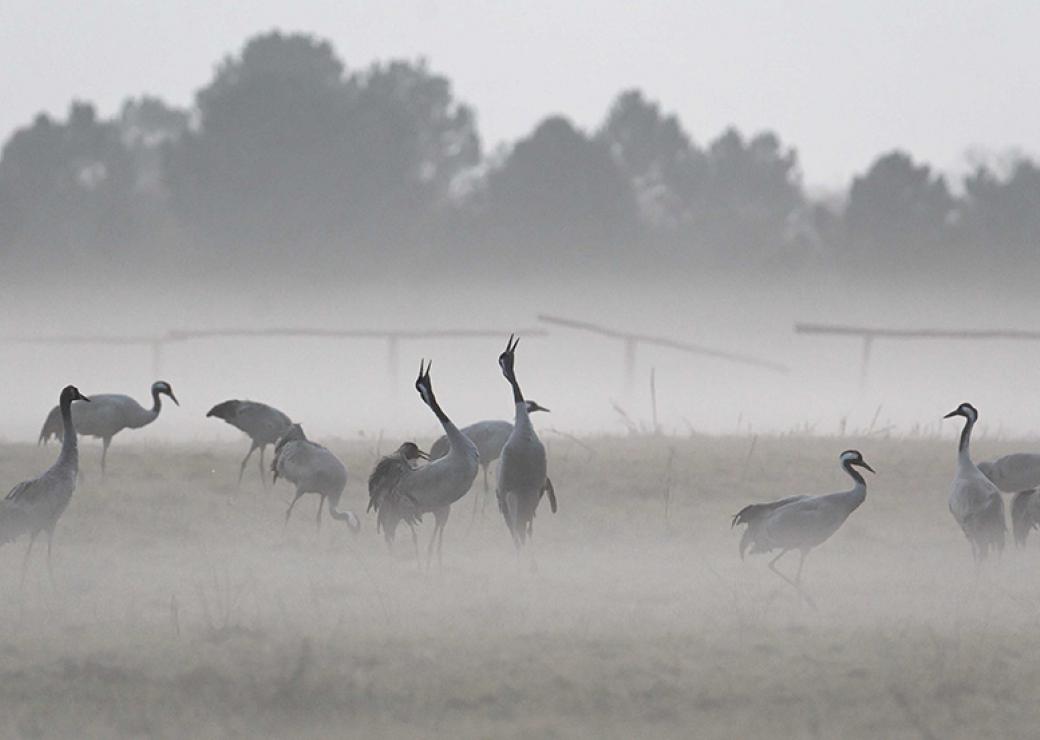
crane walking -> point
(313, 469)
(801, 522)
(107, 415)
(264, 425)
(975, 501)
(35, 506)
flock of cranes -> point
(805, 522)
(400, 489)
(409, 483)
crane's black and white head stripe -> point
(966, 410)
(161, 386)
(505, 360)
(854, 457)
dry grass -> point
(182, 609)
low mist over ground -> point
(182, 607)
(347, 388)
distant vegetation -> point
(289, 160)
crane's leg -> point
(50, 570)
(415, 543)
(104, 454)
(429, 548)
(25, 562)
(513, 520)
(440, 540)
(477, 498)
(242, 467)
(291, 505)
(263, 479)
(321, 505)
(795, 584)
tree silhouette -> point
(667, 173)
(67, 186)
(559, 188)
(289, 149)
(897, 211)
(1002, 216)
(753, 191)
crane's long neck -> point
(856, 476)
(69, 447)
(156, 403)
(456, 439)
(963, 452)
(522, 419)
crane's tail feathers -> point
(52, 427)
(987, 528)
(1024, 515)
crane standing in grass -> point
(801, 522)
(35, 506)
(975, 502)
(383, 495)
(314, 470)
(107, 415)
(433, 488)
(490, 437)
(522, 478)
(264, 424)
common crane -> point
(1018, 473)
(264, 425)
(382, 490)
(433, 488)
(522, 476)
(107, 415)
(35, 506)
(490, 437)
(801, 522)
(313, 469)
(975, 502)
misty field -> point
(182, 608)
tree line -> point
(288, 159)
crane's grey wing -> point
(384, 480)
(261, 421)
(25, 492)
(1012, 473)
(753, 513)
(52, 426)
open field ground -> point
(183, 609)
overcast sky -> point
(840, 81)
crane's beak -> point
(83, 398)
(955, 412)
(423, 455)
(863, 464)
(174, 398)
(538, 407)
